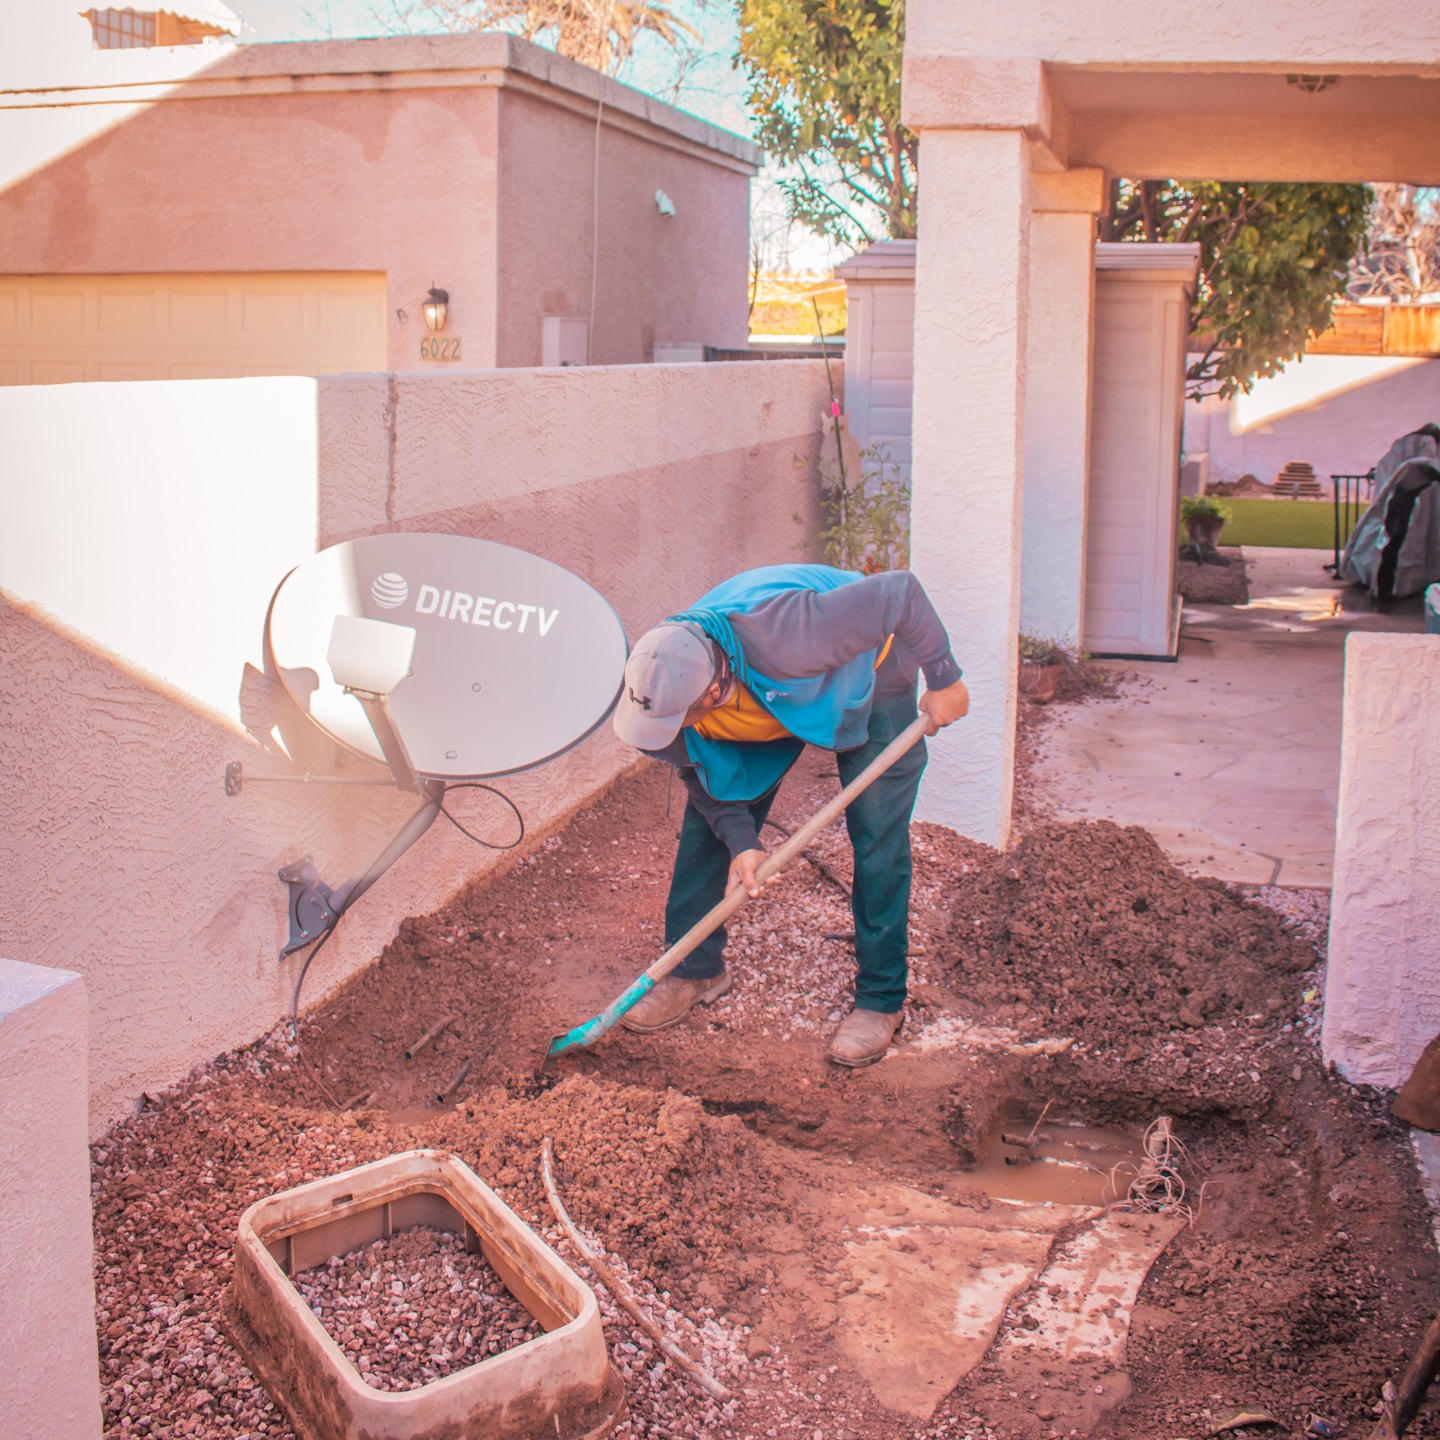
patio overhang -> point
(1260, 122)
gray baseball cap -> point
(668, 671)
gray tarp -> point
(1395, 548)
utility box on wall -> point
(1142, 313)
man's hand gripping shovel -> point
(772, 865)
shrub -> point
(1194, 507)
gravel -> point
(415, 1307)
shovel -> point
(771, 865)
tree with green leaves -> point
(824, 87)
(1274, 258)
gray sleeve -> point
(729, 820)
(807, 632)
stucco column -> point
(972, 290)
(1060, 335)
(50, 1376)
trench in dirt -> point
(813, 1233)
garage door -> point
(57, 329)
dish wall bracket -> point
(315, 908)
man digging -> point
(729, 692)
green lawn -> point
(1306, 524)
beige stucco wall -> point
(1382, 986)
(1339, 412)
(49, 1381)
(387, 156)
(666, 278)
(126, 861)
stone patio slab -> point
(1249, 716)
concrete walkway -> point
(1230, 756)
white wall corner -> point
(50, 1380)
(1382, 987)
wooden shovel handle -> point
(775, 862)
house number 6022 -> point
(440, 347)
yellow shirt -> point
(743, 717)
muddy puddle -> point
(1059, 1161)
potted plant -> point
(1042, 663)
(1204, 518)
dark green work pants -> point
(879, 825)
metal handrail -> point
(1347, 510)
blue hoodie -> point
(804, 639)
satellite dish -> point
(514, 661)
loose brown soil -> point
(1212, 584)
(717, 1163)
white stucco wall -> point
(134, 577)
(49, 1379)
(155, 519)
(1339, 412)
(1382, 988)
(971, 306)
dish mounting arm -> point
(375, 655)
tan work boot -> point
(863, 1038)
(672, 999)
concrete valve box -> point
(559, 1384)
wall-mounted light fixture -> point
(663, 203)
(1313, 84)
(436, 303)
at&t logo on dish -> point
(390, 591)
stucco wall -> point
(1382, 986)
(49, 1381)
(971, 317)
(401, 182)
(126, 860)
(382, 156)
(1339, 412)
(668, 278)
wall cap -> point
(1154, 260)
(485, 60)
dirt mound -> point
(1245, 485)
(1090, 927)
(1211, 584)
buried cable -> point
(315, 949)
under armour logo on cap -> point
(666, 674)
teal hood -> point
(831, 710)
